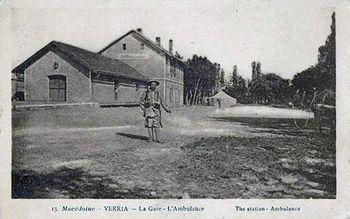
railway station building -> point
(118, 73)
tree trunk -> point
(190, 95)
(187, 98)
(195, 91)
(198, 97)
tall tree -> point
(260, 90)
(280, 89)
(222, 78)
(236, 88)
(202, 78)
(320, 77)
(327, 60)
(234, 76)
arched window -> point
(57, 88)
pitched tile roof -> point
(90, 60)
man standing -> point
(151, 103)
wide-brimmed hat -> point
(149, 82)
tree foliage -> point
(236, 87)
(320, 77)
(281, 91)
(260, 90)
(202, 78)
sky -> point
(283, 35)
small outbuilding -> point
(222, 99)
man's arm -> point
(142, 102)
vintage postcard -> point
(174, 109)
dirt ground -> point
(103, 153)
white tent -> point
(222, 99)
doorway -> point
(57, 88)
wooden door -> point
(57, 88)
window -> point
(124, 46)
(175, 67)
(172, 68)
(55, 65)
(142, 46)
(57, 88)
(176, 96)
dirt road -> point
(103, 153)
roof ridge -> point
(90, 60)
(100, 56)
(145, 38)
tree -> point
(307, 80)
(280, 89)
(222, 78)
(236, 88)
(234, 76)
(320, 77)
(327, 60)
(201, 79)
(260, 90)
(256, 69)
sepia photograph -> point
(179, 99)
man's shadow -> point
(140, 137)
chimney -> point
(158, 41)
(139, 30)
(171, 46)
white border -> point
(21, 208)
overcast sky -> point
(283, 35)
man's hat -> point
(149, 82)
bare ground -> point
(103, 153)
